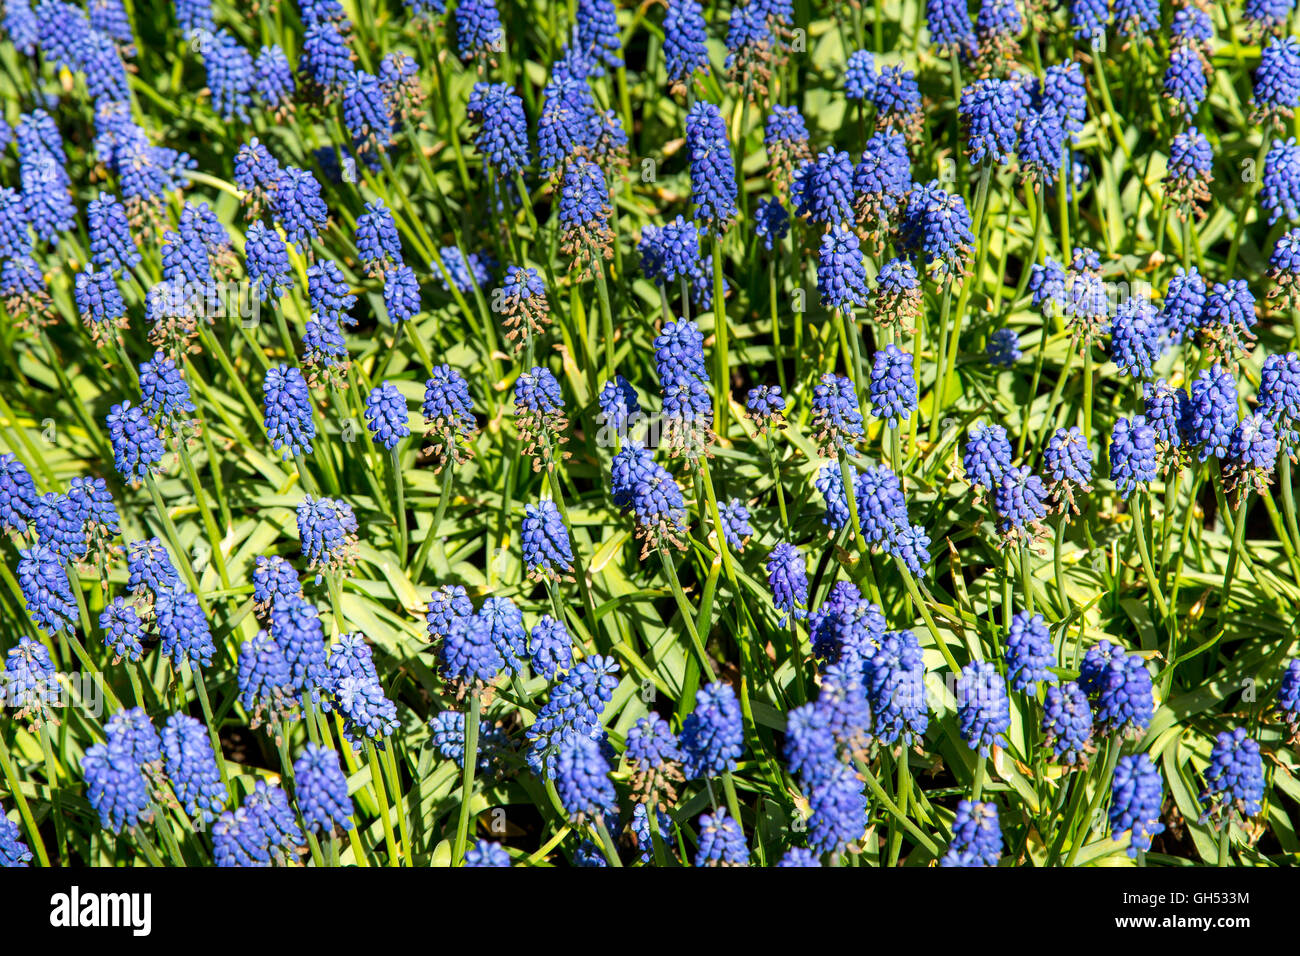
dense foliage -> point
(760, 433)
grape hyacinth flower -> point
(766, 406)
(997, 26)
(448, 416)
(1252, 456)
(976, 836)
(550, 647)
(274, 579)
(273, 81)
(539, 416)
(1029, 652)
(896, 301)
(839, 810)
(280, 836)
(150, 568)
(951, 31)
(1137, 336)
(327, 533)
(713, 179)
(859, 75)
(1136, 18)
(1280, 186)
(785, 136)
(321, 789)
(1288, 698)
(983, 710)
(479, 35)
(401, 294)
(895, 684)
(325, 59)
(822, 189)
(684, 380)
(467, 653)
(750, 46)
(830, 483)
(29, 684)
(358, 695)
(506, 624)
(771, 222)
(987, 456)
(1284, 269)
(1041, 148)
(544, 540)
(787, 576)
(1186, 83)
(1067, 461)
(1234, 779)
(1277, 81)
(1003, 349)
(656, 758)
(449, 607)
(1136, 797)
(937, 224)
(265, 681)
(522, 302)
(329, 294)
(1189, 173)
(1210, 413)
(584, 216)
(1067, 724)
(722, 841)
(191, 767)
(13, 851)
(1120, 688)
(386, 415)
(59, 526)
(502, 136)
(881, 180)
(893, 385)
(619, 406)
(186, 636)
(46, 590)
(1279, 396)
(841, 272)
(297, 206)
(837, 417)
(366, 114)
(137, 449)
(266, 258)
(897, 99)
(1132, 454)
(574, 708)
(645, 487)
(115, 786)
(378, 244)
(991, 111)
(165, 393)
(685, 36)
(598, 36)
(17, 495)
(736, 528)
(123, 630)
(582, 779)
(230, 75)
(297, 629)
(287, 406)
(447, 730)
(238, 840)
(713, 737)
(112, 244)
(487, 853)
